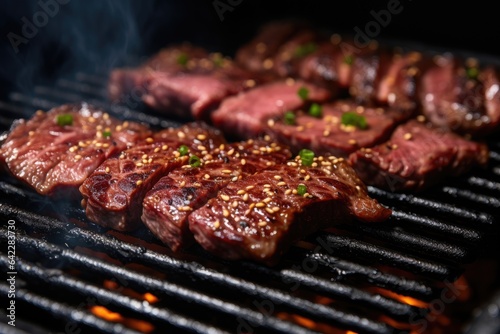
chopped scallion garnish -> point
(472, 73)
(352, 118)
(305, 49)
(289, 118)
(307, 157)
(64, 119)
(106, 134)
(349, 59)
(182, 59)
(301, 189)
(315, 110)
(194, 161)
(303, 93)
(183, 150)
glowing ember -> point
(108, 315)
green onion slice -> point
(194, 161)
(354, 119)
(183, 150)
(303, 93)
(316, 110)
(301, 189)
(289, 118)
(307, 157)
(305, 49)
(64, 119)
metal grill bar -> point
(57, 279)
(316, 311)
(64, 311)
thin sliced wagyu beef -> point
(416, 157)
(260, 216)
(338, 128)
(461, 96)
(245, 115)
(170, 202)
(182, 80)
(113, 193)
(55, 151)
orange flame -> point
(108, 315)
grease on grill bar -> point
(356, 279)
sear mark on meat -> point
(56, 157)
(274, 215)
(417, 157)
(114, 192)
(170, 202)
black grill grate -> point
(63, 261)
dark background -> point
(97, 35)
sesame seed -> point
(358, 188)
(267, 185)
(293, 164)
(139, 182)
(260, 205)
(247, 212)
(307, 178)
(268, 63)
(269, 163)
(267, 200)
(306, 195)
(407, 136)
(122, 156)
(185, 208)
(221, 147)
(288, 191)
(78, 157)
(144, 156)
(201, 148)
(107, 169)
(216, 224)
(421, 118)
(157, 150)
(262, 223)
(31, 133)
(243, 162)
(300, 128)
(352, 141)
(98, 144)
(282, 183)
(118, 128)
(183, 183)
(250, 83)
(181, 134)
(245, 197)
(326, 133)
(241, 192)
(290, 81)
(73, 148)
(249, 187)
(176, 154)
(230, 152)
(234, 204)
(302, 171)
(294, 191)
(139, 164)
(206, 176)
(105, 145)
(314, 164)
(91, 119)
(225, 213)
(276, 209)
(226, 171)
(394, 146)
(277, 177)
(164, 147)
(234, 179)
(270, 123)
(269, 210)
(201, 137)
(81, 144)
(224, 197)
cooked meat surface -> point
(258, 54)
(245, 115)
(113, 193)
(327, 134)
(168, 205)
(461, 96)
(55, 151)
(260, 216)
(182, 81)
(416, 157)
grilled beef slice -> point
(461, 97)
(55, 151)
(260, 216)
(258, 54)
(327, 134)
(416, 157)
(167, 206)
(245, 115)
(184, 82)
(113, 193)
